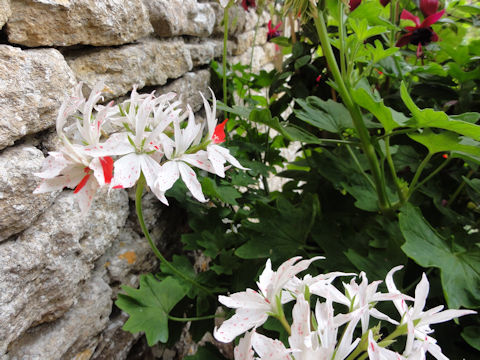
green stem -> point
(198, 318)
(158, 254)
(401, 194)
(432, 174)
(224, 59)
(355, 160)
(459, 189)
(398, 132)
(400, 330)
(341, 34)
(361, 347)
(352, 108)
(418, 173)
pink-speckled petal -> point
(126, 171)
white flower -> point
(375, 352)
(270, 349)
(244, 351)
(419, 321)
(254, 307)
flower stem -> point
(158, 254)
(198, 318)
(353, 109)
(224, 57)
(401, 195)
(432, 174)
(420, 169)
(459, 189)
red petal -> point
(269, 25)
(107, 165)
(419, 50)
(406, 15)
(278, 26)
(354, 4)
(404, 40)
(432, 19)
(434, 36)
(81, 184)
(219, 133)
(428, 7)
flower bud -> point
(428, 7)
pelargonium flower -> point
(248, 4)
(273, 32)
(72, 166)
(252, 307)
(422, 33)
(419, 321)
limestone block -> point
(202, 52)
(262, 55)
(236, 19)
(42, 270)
(5, 11)
(188, 88)
(75, 333)
(244, 42)
(70, 22)
(180, 17)
(115, 343)
(33, 84)
(18, 206)
(150, 62)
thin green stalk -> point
(432, 174)
(401, 194)
(341, 34)
(361, 347)
(198, 318)
(158, 254)
(353, 109)
(398, 132)
(355, 160)
(420, 169)
(224, 59)
(400, 330)
(459, 189)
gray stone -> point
(33, 84)
(202, 52)
(150, 62)
(18, 206)
(115, 343)
(180, 17)
(42, 270)
(244, 41)
(75, 334)
(188, 88)
(70, 22)
(236, 19)
(5, 11)
(262, 55)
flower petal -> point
(243, 320)
(53, 165)
(168, 175)
(244, 351)
(269, 349)
(406, 15)
(86, 194)
(126, 171)
(190, 179)
(404, 40)
(432, 19)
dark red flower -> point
(384, 2)
(248, 4)
(428, 7)
(422, 33)
(273, 32)
(354, 4)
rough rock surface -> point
(244, 41)
(201, 52)
(180, 17)
(18, 206)
(188, 88)
(262, 55)
(237, 17)
(42, 270)
(150, 62)
(75, 334)
(5, 11)
(70, 22)
(33, 83)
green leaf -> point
(444, 141)
(459, 268)
(471, 117)
(282, 41)
(438, 119)
(149, 305)
(378, 53)
(326, 115)
(226, 194)
(471, 334)
(389, 118)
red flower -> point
(219, 133)
(384, 2)
(273, 32)
(422, 33)
(428, 7)
(248, 3)
(354, 4)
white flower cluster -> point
(154, 141)
(314, 335)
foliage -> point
(386, 171)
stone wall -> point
(59, 271)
